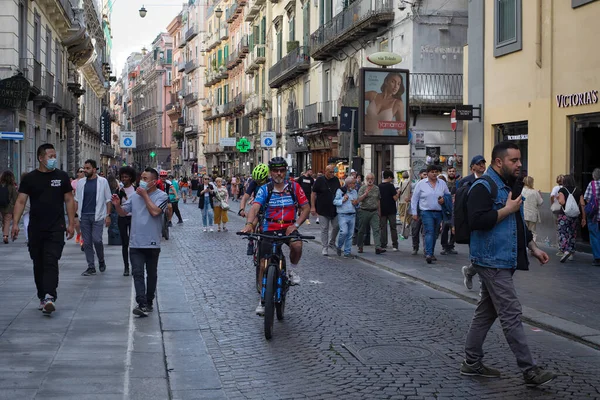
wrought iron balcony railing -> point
(32, 70)
(295, 63)
(191, 98)
(436, 89)
(321, 113)
(191, 65)
(191, 33)
(310, 114)
(359, 18)
(257, 57)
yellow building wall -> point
(522, 86)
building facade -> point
(540, 87)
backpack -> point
(571, 208)
(591, 208)
(4, 196)
(289, 187)
(462, 234)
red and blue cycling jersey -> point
(281, 210)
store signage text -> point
(577, 99)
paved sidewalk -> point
(93, 347)
(559, 297)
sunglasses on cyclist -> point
(280, 170)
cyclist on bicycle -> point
(260, 175)
(280, 208)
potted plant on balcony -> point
(292, 45)
(177, 135)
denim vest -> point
(496, 248)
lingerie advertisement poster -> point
(383, 106)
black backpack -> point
(4, 196)
(462, 230)
(289, 188)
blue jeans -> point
(207, 215)
(346, 223)
(594, 229)
(431, 224)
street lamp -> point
(143, 12)
(218, 12)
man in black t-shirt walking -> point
(389, 197)
(48, 190)
(321, 204)
(306, 182)
(194, 184)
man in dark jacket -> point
(321, 204)
(498, 247)
(306, 182)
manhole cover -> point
(391, 354)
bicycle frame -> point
(275, 258)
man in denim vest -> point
(499, 242)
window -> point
(169, 56)
(48, 48)
(292, 28)
(37, 39)
(22, 30)
(507, 27)
(306, 23)
(279, 45)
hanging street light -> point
(143, 12)
(218, 12)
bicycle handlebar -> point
(274, 237)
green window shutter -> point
(219, 57)
(169, 56)
(306, 20)
(226, 53)
(263, 30)
(226, 93)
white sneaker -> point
(211, 229)
(260, 309)
(324, 251)
(395, 249)
(203, 229)
(294, 278)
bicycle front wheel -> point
(270, 299)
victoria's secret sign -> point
(577, 99)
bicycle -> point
(275, 282)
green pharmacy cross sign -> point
(152, 154)
(243, 145)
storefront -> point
(585, 155)
(323, 144)
(516, 132)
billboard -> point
(383, 106)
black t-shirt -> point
(325, 190)
(194, 183)
(253, 187)
(46, 191)
(576, 195)
(388, 204)
(306, 183)
(483, 217)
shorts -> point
(195, 193)
(266, 245)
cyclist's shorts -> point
(266, 245)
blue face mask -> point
(144, 185)
(52, 163)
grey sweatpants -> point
(91, 231)
(498, 300)
(325, 223)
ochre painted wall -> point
(522, 86)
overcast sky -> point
(131, 33)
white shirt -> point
(554, 192)
(103, 196)
(426, 196)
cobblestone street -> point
(351, 331)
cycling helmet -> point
(163, 172)
(277, 162)
(260, 172)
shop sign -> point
(517, 137)
(577, 99)
(385, 58)
(14, 92)
(464, 112)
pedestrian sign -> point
(243, 145)
(127, 140)
(267, 140)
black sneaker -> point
(140, 311)
(444, 252)
(339, 252)
(478, 369)
(102, 267)
(89, 272)
(596, 263)
(126, 271)
(538, 376)
(429, 259)
(149, 308)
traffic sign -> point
(127, 140)
(11, 135)
(243, 145)
(453, 120)
(268, 140)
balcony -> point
(181, 121)
(212, 148)
(107, 151)
(257, 57)
(223, 73)
(58, 99)
(436, 90)
(181, 43)
(321, 113)
(294, 64)
(360, 18)
(233, 60)
(47, 93)
(213, 40)
(32, 70)
(295, 120)
(253, 105)
(224, 33)
(243, 47)
(274, 125)
(180, 66)
(191, 33)
(191, 65)
(191, 131)
(232, 12)
(253, 9)
(212, 78)
(191, 99)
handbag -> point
(591, 208)
(555, 207)
(224, 204)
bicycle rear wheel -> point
(270, 299)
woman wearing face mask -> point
(127, 177)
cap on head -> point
(476, 160)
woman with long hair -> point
(567, 226)
(385, 106)
(8, 198)
(531, 205)
(127, 176)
